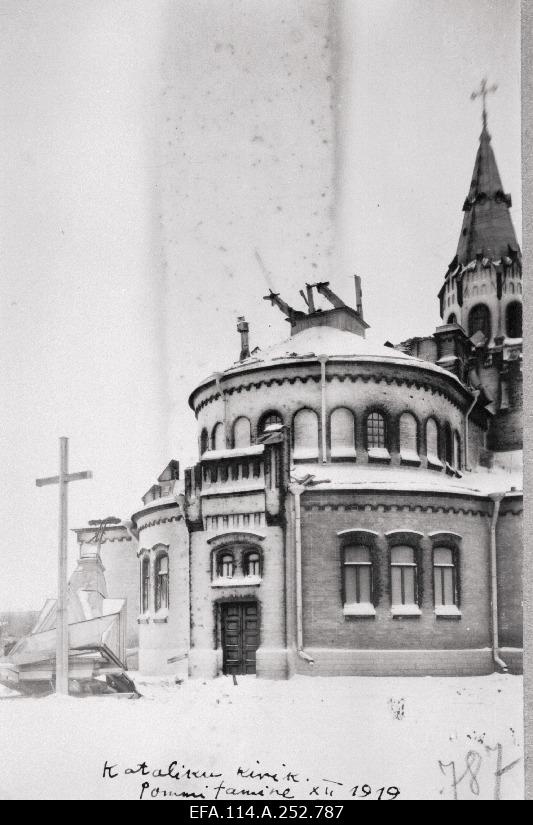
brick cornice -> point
(375, 372)
(154, 522)
(394, 508)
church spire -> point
(487, 229)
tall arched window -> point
(448, 445)
(217, 437)
(513, 319)
(444, 577)
(204, 441)
(457, 462)
(403, 576)
(242, 435)
(375, 431)
(145, 584)
(270, 419)
(432, 443)
(252, 563)
(409, 438)
(479, 321)
(161, 582)
(342, 426)
(357, 575)
(225, 565)
(305, 427)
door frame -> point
(219, 605)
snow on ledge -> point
(378, 454)
(236, 581)
(362, 609)
(239, 452)
(409, 457)
(405, 610)
(448, 610)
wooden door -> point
(240, 636)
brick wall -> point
(506, 431)
(325, 626)
(510, 557)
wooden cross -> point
(484, 90)
(62, 645)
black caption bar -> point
(326, 811)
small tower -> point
(481, 298)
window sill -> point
(448, 612)
(343, 454)
(378, 454)
(143, 619)
(305, 455)
(236, 581)
(359, 610)
(434, 463)
(160, 620)
(409, 457)
(401, 610)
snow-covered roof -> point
(238, 452)
(323, 341)
(353, 477)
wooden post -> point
(62, 640)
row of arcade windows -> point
(361, 575)
(155, 582)
(442, 444)
(479, 320)
(359, 579)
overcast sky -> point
(164, 162)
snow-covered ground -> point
(308, 737)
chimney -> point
(243, 328)
(358, 295)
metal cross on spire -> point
(483, 91)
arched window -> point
(357, 575)
(375, 431)
(457, 462)
(252, 563)
(145, 584)
(242, 436)
(161, 582)
(513, 319)
(204, 441)
(403, 576)
(342, 424)
(270, 419)
(479, 321)
(444, 577)
(225, 565)
(448, 445)
(217, 437)
(432, 443)
(452, 318)
(409, 438)
(305, 427)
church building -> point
(355, 509)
